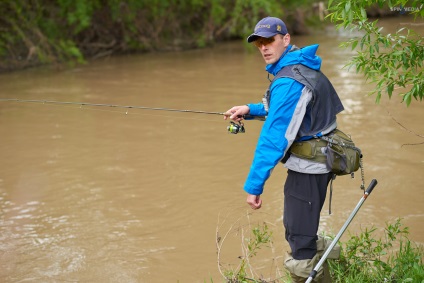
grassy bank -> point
(374, 255)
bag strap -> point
(331, 192)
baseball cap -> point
(268, 27)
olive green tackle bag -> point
(336, 150)
(343, 157)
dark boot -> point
(297, 279)
(326, 277)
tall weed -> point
(372, 256)
(390, 258)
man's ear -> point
(286, 40)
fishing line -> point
(127, 111)
(233, 128)
(112, 105)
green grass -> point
(372, 256)
(390, 258)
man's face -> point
(272, 48)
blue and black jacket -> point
(302, 104)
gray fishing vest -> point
(325, 103)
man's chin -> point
(269, 61)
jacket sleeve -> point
(272, 143)
(257, 109)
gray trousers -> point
(304, 196)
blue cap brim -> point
(254, 36)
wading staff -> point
(336, 239)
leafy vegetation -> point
(259, 260)
(34, 32)
(392, 258)
(364, 258)
(260, 236)
(42, 31)
(391, 61)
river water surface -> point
(101, 194)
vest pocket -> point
(310, 149)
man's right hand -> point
(236, 113)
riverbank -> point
(68, 33)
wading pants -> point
(304, 196)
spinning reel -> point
(235, 128)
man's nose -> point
(264, 47)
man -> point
(300, 104)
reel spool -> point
(234, 128)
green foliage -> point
(78, 13)
(365, 258)
(33, 32)
(260, 236)
(372, 256)
(42, 31)
(391, 61)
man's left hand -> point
(254, 201)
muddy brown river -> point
(102, 194)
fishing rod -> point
(314, 272)
(233, 128)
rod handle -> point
(371, 186)
(247, 116)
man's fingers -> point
(233, 116)
(258, 204)
(229, 114)
(255, 202)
